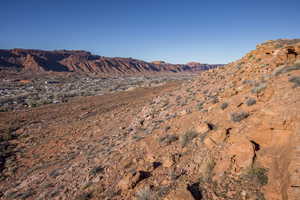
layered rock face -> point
(85, 62)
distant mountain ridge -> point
(38, 61)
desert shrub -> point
(203, 136)
(224, 105)
(21, 195)
(137, 137)
(174, 175)
(8, 133)
(3, 109)
(251, 56)
(248, 82)
(45, 101)
(84, 196)
(162, 191)
(259, 87)
(164, 104)
(145, 194)
(209, 170)
(277, 46)
(167, 128)
(200, 105)
(214, 100)
(239, 116)
(167, 139)
(238, 66)
(259, 175)
(187, 137)
(33, 104)
(183, 103)
(250, 102)
(264, 65)
(284, 69)
(295, 80)
(96, 170)
(178, 98)
(280, 43)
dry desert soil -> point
(231, 132)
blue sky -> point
(177, 31)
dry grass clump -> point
(224, 105)
(250, 102)
(146, 194)
(167, 139)
(259, 175)
(295, 80)
(239, 116)
(187, 137)
(259, 88)
(284, 69)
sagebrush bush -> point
(295, 80)
(200, 105)
(284, 69)
(145, 194)
(84, 196)
(187, 137)
(239, 116)
(96, 170)
(259, 88)
(259, 175)
(167, 139)
(250, 102)
(224, 105)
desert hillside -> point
(231, 133)
(38, 61)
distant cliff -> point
(84, 62)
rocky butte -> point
(231, 133)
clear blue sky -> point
(177, 31)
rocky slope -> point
(84, 62)
(232, 133)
